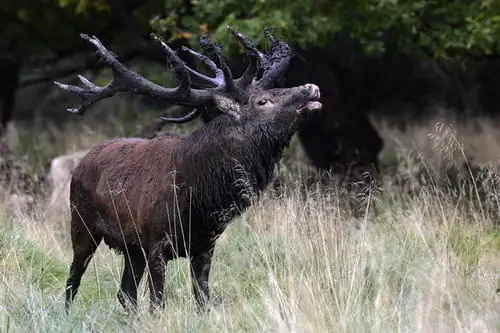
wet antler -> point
(223, 79)
(255, 57)
(181, 120)
(217, 81)
(127, 80)
(275, 63)
(270, 66)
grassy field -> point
(423, 257)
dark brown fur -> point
(172, 196)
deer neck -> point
(227, 166)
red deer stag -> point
(172, 196)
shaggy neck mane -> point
(227, 166)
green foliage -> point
(36, 28)
(445, 29)
(83, 6)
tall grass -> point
(424, 257)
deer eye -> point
(262, 101)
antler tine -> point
(127, 80)
(206, 43)
(218, 80)
(184, 119)
(177, 65)
(255, 59)
(245, 42)
(253, 67)
(274, 73)
(276, 61)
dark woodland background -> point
(400, 61)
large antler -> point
(127, 80)
(271, 65)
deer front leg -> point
(200, 270)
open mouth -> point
(312, 103)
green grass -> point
(424, 257)
(286, 265)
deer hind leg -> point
(135, 263)
(200, 270)
(157, 265)
(85, 243)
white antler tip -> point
(61, 85)
(73, 110)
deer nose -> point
(313, 90)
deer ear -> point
(227, 105)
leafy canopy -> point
(443, 28)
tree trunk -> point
(9, 74)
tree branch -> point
(32, 31)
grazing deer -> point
(172, 196)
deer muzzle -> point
(312, 100)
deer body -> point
(133, 181)
(172, 196)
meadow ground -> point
(422, 256)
